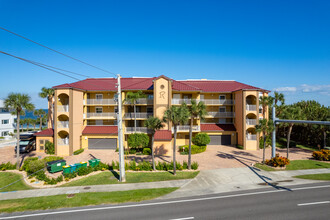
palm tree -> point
(34, 122)
(131, 98)
(278, 97)
(291, 112)
(22, 122)
(265, 101)
(49, 94)
(266, 127)
(154, 124)
(195, 111)
(28, 121)
(40, 113)
(17, 102)
(176, 115)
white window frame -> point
(3, 120)
(4, 133)
(99, 96)
(98, 108)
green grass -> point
(297, 165)
(81, 199)
(7, 178)
(320, 176)
(306, 147)
(136, 177)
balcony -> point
(181, 101)
(218, 101)
(186, 128)
(142, 101)
(251, 137)
(251, 108)
(63, 108)
(138, 130)
(131, 115)
(100, 102)
(63, 124)
(101, 115)
(221, 114)
(251, 121)
(63, 141)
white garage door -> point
(220, 140)
(102, 143)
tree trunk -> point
(34, 127)
(174, 151)
(264, 150)
(40, 126)
(152, 152)
(27, 127)
(50, 112)
(17, 143)
(190, 138)
(134, 117)
(288, 141)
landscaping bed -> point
(297, 165)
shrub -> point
(34, 166)
(78, 151)
(102, 166)
(82, 171)
(132, 165)
(146, 151)
(278, 161)
(185, 165)
(321, 155)
(145, 165)
(194, 166)
(194, 149)
(138, 140)
(70, 175)
(50, 149)
(52, 158)
(201, 139)
(132, 151)
(240, 147)
(7, 166)
(27, 161)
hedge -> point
(78, 151)
(194, 149)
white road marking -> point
(163, 203)
(183, 218)
(313, 203)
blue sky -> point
(276, 45)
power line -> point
(56, 51)
(79, 74)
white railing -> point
(206, 101)
(138, 129)
(63, 141)
(63, 124)
(251, 121)
(63, 108)
(251, 137)
(142, 101)
(221, 114)
(138, 115)
(181, 101)
(102, 115)
(251, 107)
(101, 102)
(186, 128)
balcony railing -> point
(132, 115)
(100, 102)
(102, 115)
(221, 114)
(181, 101)
(251, 121)
(63, 108)
(186, 128)
(138, 129)
(63, 124)
(251, 107)
(142, 101)
(63, 141)
(206, 101)
(251, 137)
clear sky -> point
(283, 45)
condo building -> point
(85, 113)
(7, 121)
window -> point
(222, 109)
(150, 96)
(150, 110)
(98, 109)
(260, 110)
(116, 109)
(176, 96)
(99, 96)
(222, 121)
(222, 97)
(4, 133)
(41, 142)
(5, 121)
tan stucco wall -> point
(163, 148)
(45, 139)
(162, 98)
(76, 120)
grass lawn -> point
(81, 199)
(297, 165)
(320, 176)
(136, 177)
(304, 147)
(7, 178)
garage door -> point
(102, 143)
(220, 140)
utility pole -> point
(274, 134)
(122, 177)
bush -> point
(27, 161)
(35, 165)
(194, 149)
(201, 139)
(52, 158)
(146, 151)
(132, 151)
(78, 151)
(194, 166)
(70, 175)
(102, 166)
(144, 165)
(240, 147)
(278, 161)
(7, 166)
(82, 171)
(132, 165)
(138, 140)
(50, 149)
(321, 155)
(268, 142)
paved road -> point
(310, 201)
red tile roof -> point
(163, 135)
(109, 84)
(49, 132)
(218, 127)
(100, 130)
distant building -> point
(7, 121)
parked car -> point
(27, 143)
